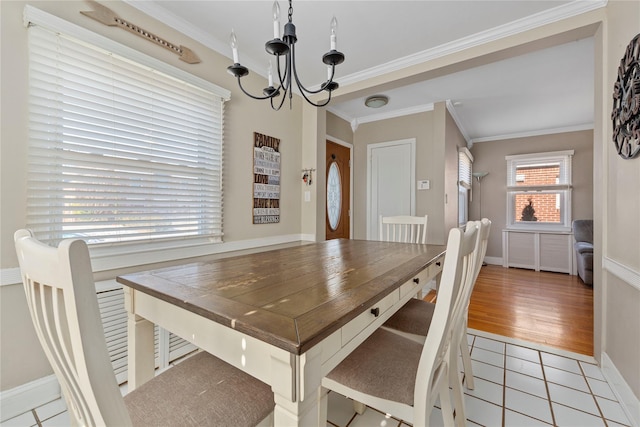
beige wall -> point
(490, 157)
(619, 207)
(418, 126)
(21, 359)
(437, 141)
(339, 128)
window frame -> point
(563, 188)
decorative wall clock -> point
(626, 103)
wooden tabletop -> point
(294, 297)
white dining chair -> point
(402, 377)
(61, 296)
(403, 228)
(414, 318)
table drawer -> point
(353, 328)
(416, 284)
(436, 267)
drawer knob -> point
(375, 311)
(416, 280)
(438, 263)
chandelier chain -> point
(290, 10)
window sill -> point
(539, 229)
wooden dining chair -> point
(61, 296)
(402, 377)
(404, 228)
(413, 319)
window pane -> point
(530, 175)
(539, 207)
(334, 196)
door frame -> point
(370, 147)
(350, 147)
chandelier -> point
(285, 47)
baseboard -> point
(493, 260)
(24, 398)
(630, 403)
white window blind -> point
(518, 165)
(465, 162)
(118, 151)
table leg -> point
(297, 392)
(140, 344)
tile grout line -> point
(546, 387)
(504, 386)
(593, 395)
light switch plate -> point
(424, 184)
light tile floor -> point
(516, 384)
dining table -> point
(286, 316)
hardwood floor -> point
(552, 309)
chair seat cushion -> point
(413, 318)
(384, 365)
(200, 391)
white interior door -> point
(390, 182)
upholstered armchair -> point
(583, 235)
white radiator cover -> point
(168, 347)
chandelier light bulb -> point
(234, 46)
(334, 33)
(270, 73)
(276, 20)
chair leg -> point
(445, 403)
(455, 381)
(466, 361)
(359, 407)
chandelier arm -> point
(259, 98)
(280, 76)
(292, 52)
(273, 107)
(302, 92)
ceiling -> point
(542, 91)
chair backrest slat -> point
(403, 228)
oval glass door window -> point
(334, 195)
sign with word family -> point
(266, 179)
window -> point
(539, 190)
(465, 162)
(122, 148)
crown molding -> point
(454, 114)
(558, 13)
(577, 128)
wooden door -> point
(338, 191)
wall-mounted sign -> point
(266, 179)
